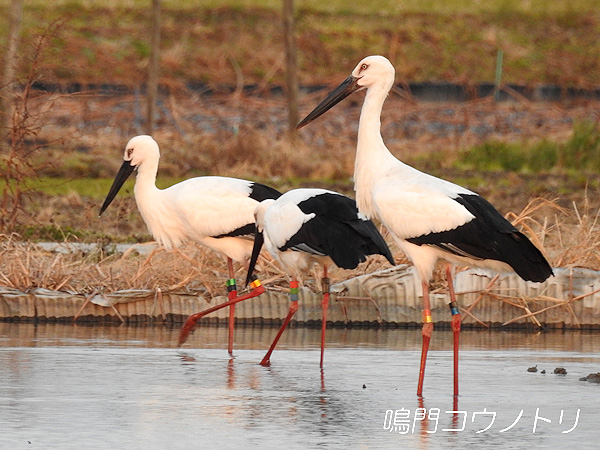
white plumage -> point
(307, 226)
(217, 212)
(429, 218)
(282, 221)
(207, 210)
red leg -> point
(324, 305)
(257, 289)
(266, 361)
(231, 294)
(455, 325)
(427, 332)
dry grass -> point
(215, 42)
(257, 148)
(566, 243)
(82, 137)
(242, 135)
(191, 268)
(196, 269)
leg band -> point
(453, 308)
(231, 285)
(427, 316)
(294, 291)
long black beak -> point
(348, 86)
(122, 175)
(259, 240)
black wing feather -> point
(258, 192)
(337, 231)
(490, 236)
(247, 230)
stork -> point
(217, 212)
(308, 226)
(428, 217)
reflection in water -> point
(421, 413)
(455, 415)
(68, 386)
(254, 338)
(230, 374)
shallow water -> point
(67, 386)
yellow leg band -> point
(427, 316)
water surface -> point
(67, 386)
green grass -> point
(107, 41)
(581, 153)
(543, 42)
(538, 7)
(95, 188)
(49, 233)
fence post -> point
(10, 63)
(153, 67)
(498, 77)
(291, 65)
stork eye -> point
(364, 67)
(129, 152)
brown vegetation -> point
(101, 43)
(81, 136)
(197, 269)
(244, 136)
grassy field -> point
(238, 41)
(381, 7)
(538, 163)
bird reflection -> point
(186, 358)
(455, 414)
(230, 374)
(323, 397)
(425, 422)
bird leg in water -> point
(257, 289)
(266, 361)
(455, 325)
(427, 332)
(325, 285)
(231, 294)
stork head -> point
(138, 149)
(374, 70)
(370, 72)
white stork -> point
(308, 226)
(217, 212)
(429, 218)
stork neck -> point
(145, 181)
(372, 156)
(370, 143)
